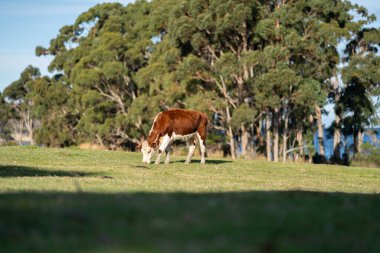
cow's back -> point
(177, 121)
(183, 122)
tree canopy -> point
(261, 70)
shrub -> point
(370, 157)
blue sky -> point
(25, 24)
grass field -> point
(71, 200)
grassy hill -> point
(71, 200)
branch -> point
(232, 49)
(293, 149)
(219, 128)
(126, 136)
(212, 52)
(105, 94)
(230, 100)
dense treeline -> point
(263, 70)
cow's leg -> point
(167, 151)
(191, 150)
(202, 147)
(164, 144)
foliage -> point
(5, 114)
(247, 64)
(369, 158)
(243, 115)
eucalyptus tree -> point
(361, 76)
(242, 119)
(247, 63)
(296, 40)
(236, 48)
(216, 52)
(53, 108)
(18, 95)
(98, 56)
(5, 115)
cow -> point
(175, 124)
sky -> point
(25, 24)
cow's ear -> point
(138, 147)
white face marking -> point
(147, 152)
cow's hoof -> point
(187, 162)
(167, 162)
(157, 163)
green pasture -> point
(72, 200)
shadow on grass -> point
(140, 167)
(257, 221)
(208, 161)
(25, 171)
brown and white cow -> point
(175, 124)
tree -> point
(98, 56)
(5, 115)
(56, 112)
(216, 45)
(249, 64)
(18, 95)
(362, 78)
(242, 119)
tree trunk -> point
(259, 135)
(321, 147)
(16, 129)
(232, 142)
(336, 143)
(99, 140)
(300, 141)
(285, 137)
(252, 141)
(29, 126)
(244, 141)
(31, 137)
(268, 137)
(275, 134)
(360, 141)
(230, 133)
(20, 129)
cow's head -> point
(147, 152)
